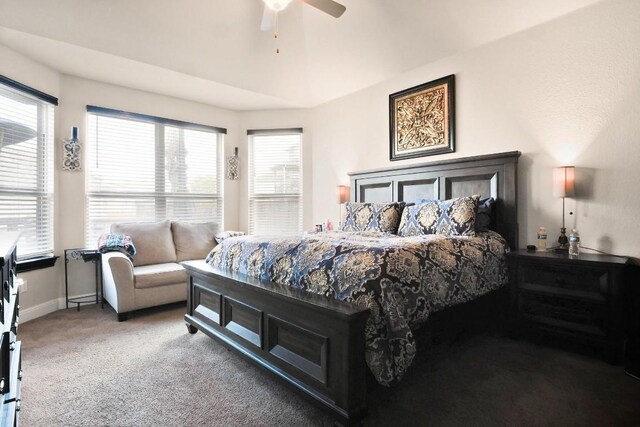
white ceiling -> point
(213, 51)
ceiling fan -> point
(14, 133)
(272, 7)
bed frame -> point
(317, 344)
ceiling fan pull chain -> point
(275, 33)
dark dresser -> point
(632, 366)
(580, 302)
(10, 353)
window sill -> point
(36, 263)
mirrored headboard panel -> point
(493, 175)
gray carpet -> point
(85, 369)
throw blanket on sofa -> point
(400, 279)
(110, 242)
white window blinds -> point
(142, 168)
(26, 169)
(275, 182)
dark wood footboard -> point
(314, 343)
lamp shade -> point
(342, 192)
(564, 181)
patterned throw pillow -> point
(454, 217)
(383, 217)
(485, 218)
(226, 234)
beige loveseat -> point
(155, 276)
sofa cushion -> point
(193, 240)
(153, 240)
(151, 276)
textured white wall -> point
(28, 72)
(565, 92)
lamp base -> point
(563, 240)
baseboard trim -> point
(31, 313)
(39, 310)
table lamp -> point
(563, 186)
(343, 192)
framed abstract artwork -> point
(422, 120)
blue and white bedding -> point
(400, 279)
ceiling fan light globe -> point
(277, 5)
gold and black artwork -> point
(421, 120)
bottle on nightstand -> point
(574, 243)
(542, 239)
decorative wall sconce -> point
(71, 152)
(233, 166)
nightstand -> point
(572, 300)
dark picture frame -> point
(422, 120)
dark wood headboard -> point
(492, 175)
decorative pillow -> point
(226, 234)
(383, 217)
(485, 215)
(454, 217)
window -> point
(144, 168)
(275, 181)
(26, 167)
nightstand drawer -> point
(575, 315)
(584, 280)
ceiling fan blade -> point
(327, 6)
(268, 19)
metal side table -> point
(86, 255)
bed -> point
(324, 339)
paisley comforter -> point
(400, 279)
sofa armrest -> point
(118, 281)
